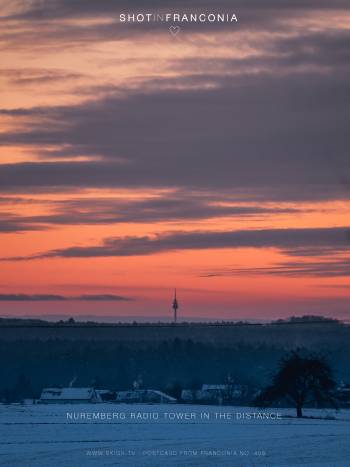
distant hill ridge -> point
(311, 331)
(71, 322)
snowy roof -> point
(213, 387)
(137, 392)
(162, 394)
(67, 393)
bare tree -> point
(300, 380)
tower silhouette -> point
(175, 307)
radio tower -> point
(175, 307)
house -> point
(214, 390)
(209, 393)
(106, 395)
(214, 393)
(343, 394)
(150, 396)
(69, 396)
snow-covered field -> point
(40, 435)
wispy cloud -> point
(37, 76)
(295, 242)
(169, 207)
(334, 267)
(52, 298)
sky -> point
(134, 160)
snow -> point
(160, 435)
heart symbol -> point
(174, 30)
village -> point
(209, 394)
(216, 394)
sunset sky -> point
(215, 161)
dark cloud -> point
(322, 52)
(10, 224)
(50, 24)
(272, 136)
(268, 134)
(297, 242)
(105, 297)
(321, 49)
(50, 298)
(166, 208)
(31, 298)
(58, 9)
(253, 125)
